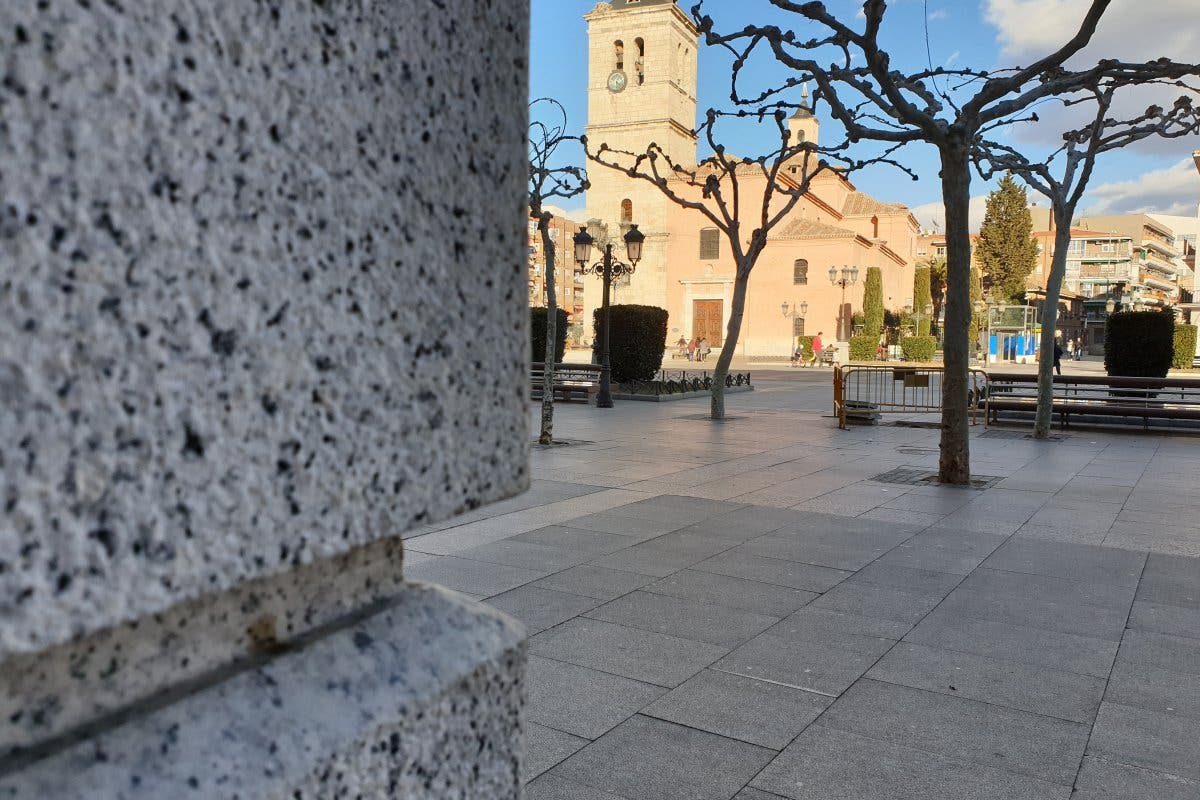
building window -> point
(800, 272)
(710, 244)
(797, 326)
(1108, 247)
(874, 227)
(639, 66)
(626, 210)
(619, 47)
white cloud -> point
(1131, 30)
(953, 59)
(1174, 190)
(932, 216)
(937, 14)
(860, 14)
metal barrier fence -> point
(908, 390)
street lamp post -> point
(919, 314)
(800, 310)
(607, 269)
(849, 276)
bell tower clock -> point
(641, 90)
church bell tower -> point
(641, 90)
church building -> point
(642, 74)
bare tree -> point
(549, 180)
(720, 188)
(873, 100)
(1064, 190)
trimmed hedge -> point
(639, 339)
(537, 334)
(806, 343)
(864, 347)
(1139, 344)
(918, 348)
(1185, 346)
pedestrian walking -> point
(691, 348)
(816, 346)
(702, 348)
(1079, 348)
(1058, 352)
(1070, 348)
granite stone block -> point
(361, 711)
(241, 325)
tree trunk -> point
(1058, 268)
(732, 331)
(547, 430)
(955, 463)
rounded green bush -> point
(864, 347)
(537, 334)
(1185, 346)
(639, 339)
(1139, 344)
(918, 348)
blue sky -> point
(978, 33)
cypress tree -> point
(873, 303)
(922, 297)
(978, 323)
(1006, 248)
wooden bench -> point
(571, 381)
(1097, 396)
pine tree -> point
(1006, 248)
(922, 298)
(873, 303)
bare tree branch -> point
(549, 180)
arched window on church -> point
(619, 48)
(626, 210)
(640, 65)
(800, 272)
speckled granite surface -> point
(48, 693)
(420, 700)
(262, 291)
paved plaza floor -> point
(738, 610)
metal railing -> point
(671, 381)
(906, 390)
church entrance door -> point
(706, 320)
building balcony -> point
(1158, 283)
(1159, 266)
(1161, 247)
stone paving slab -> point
(1000, 682)
(746, 709)
(1100, 779)
(1030, 744)
(826, 763)
(634, 653)
(645, 757)
(931, 642)
(581, 701)
(1154, 740)
(698, 621)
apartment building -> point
(1156, 256)
(568, 280)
